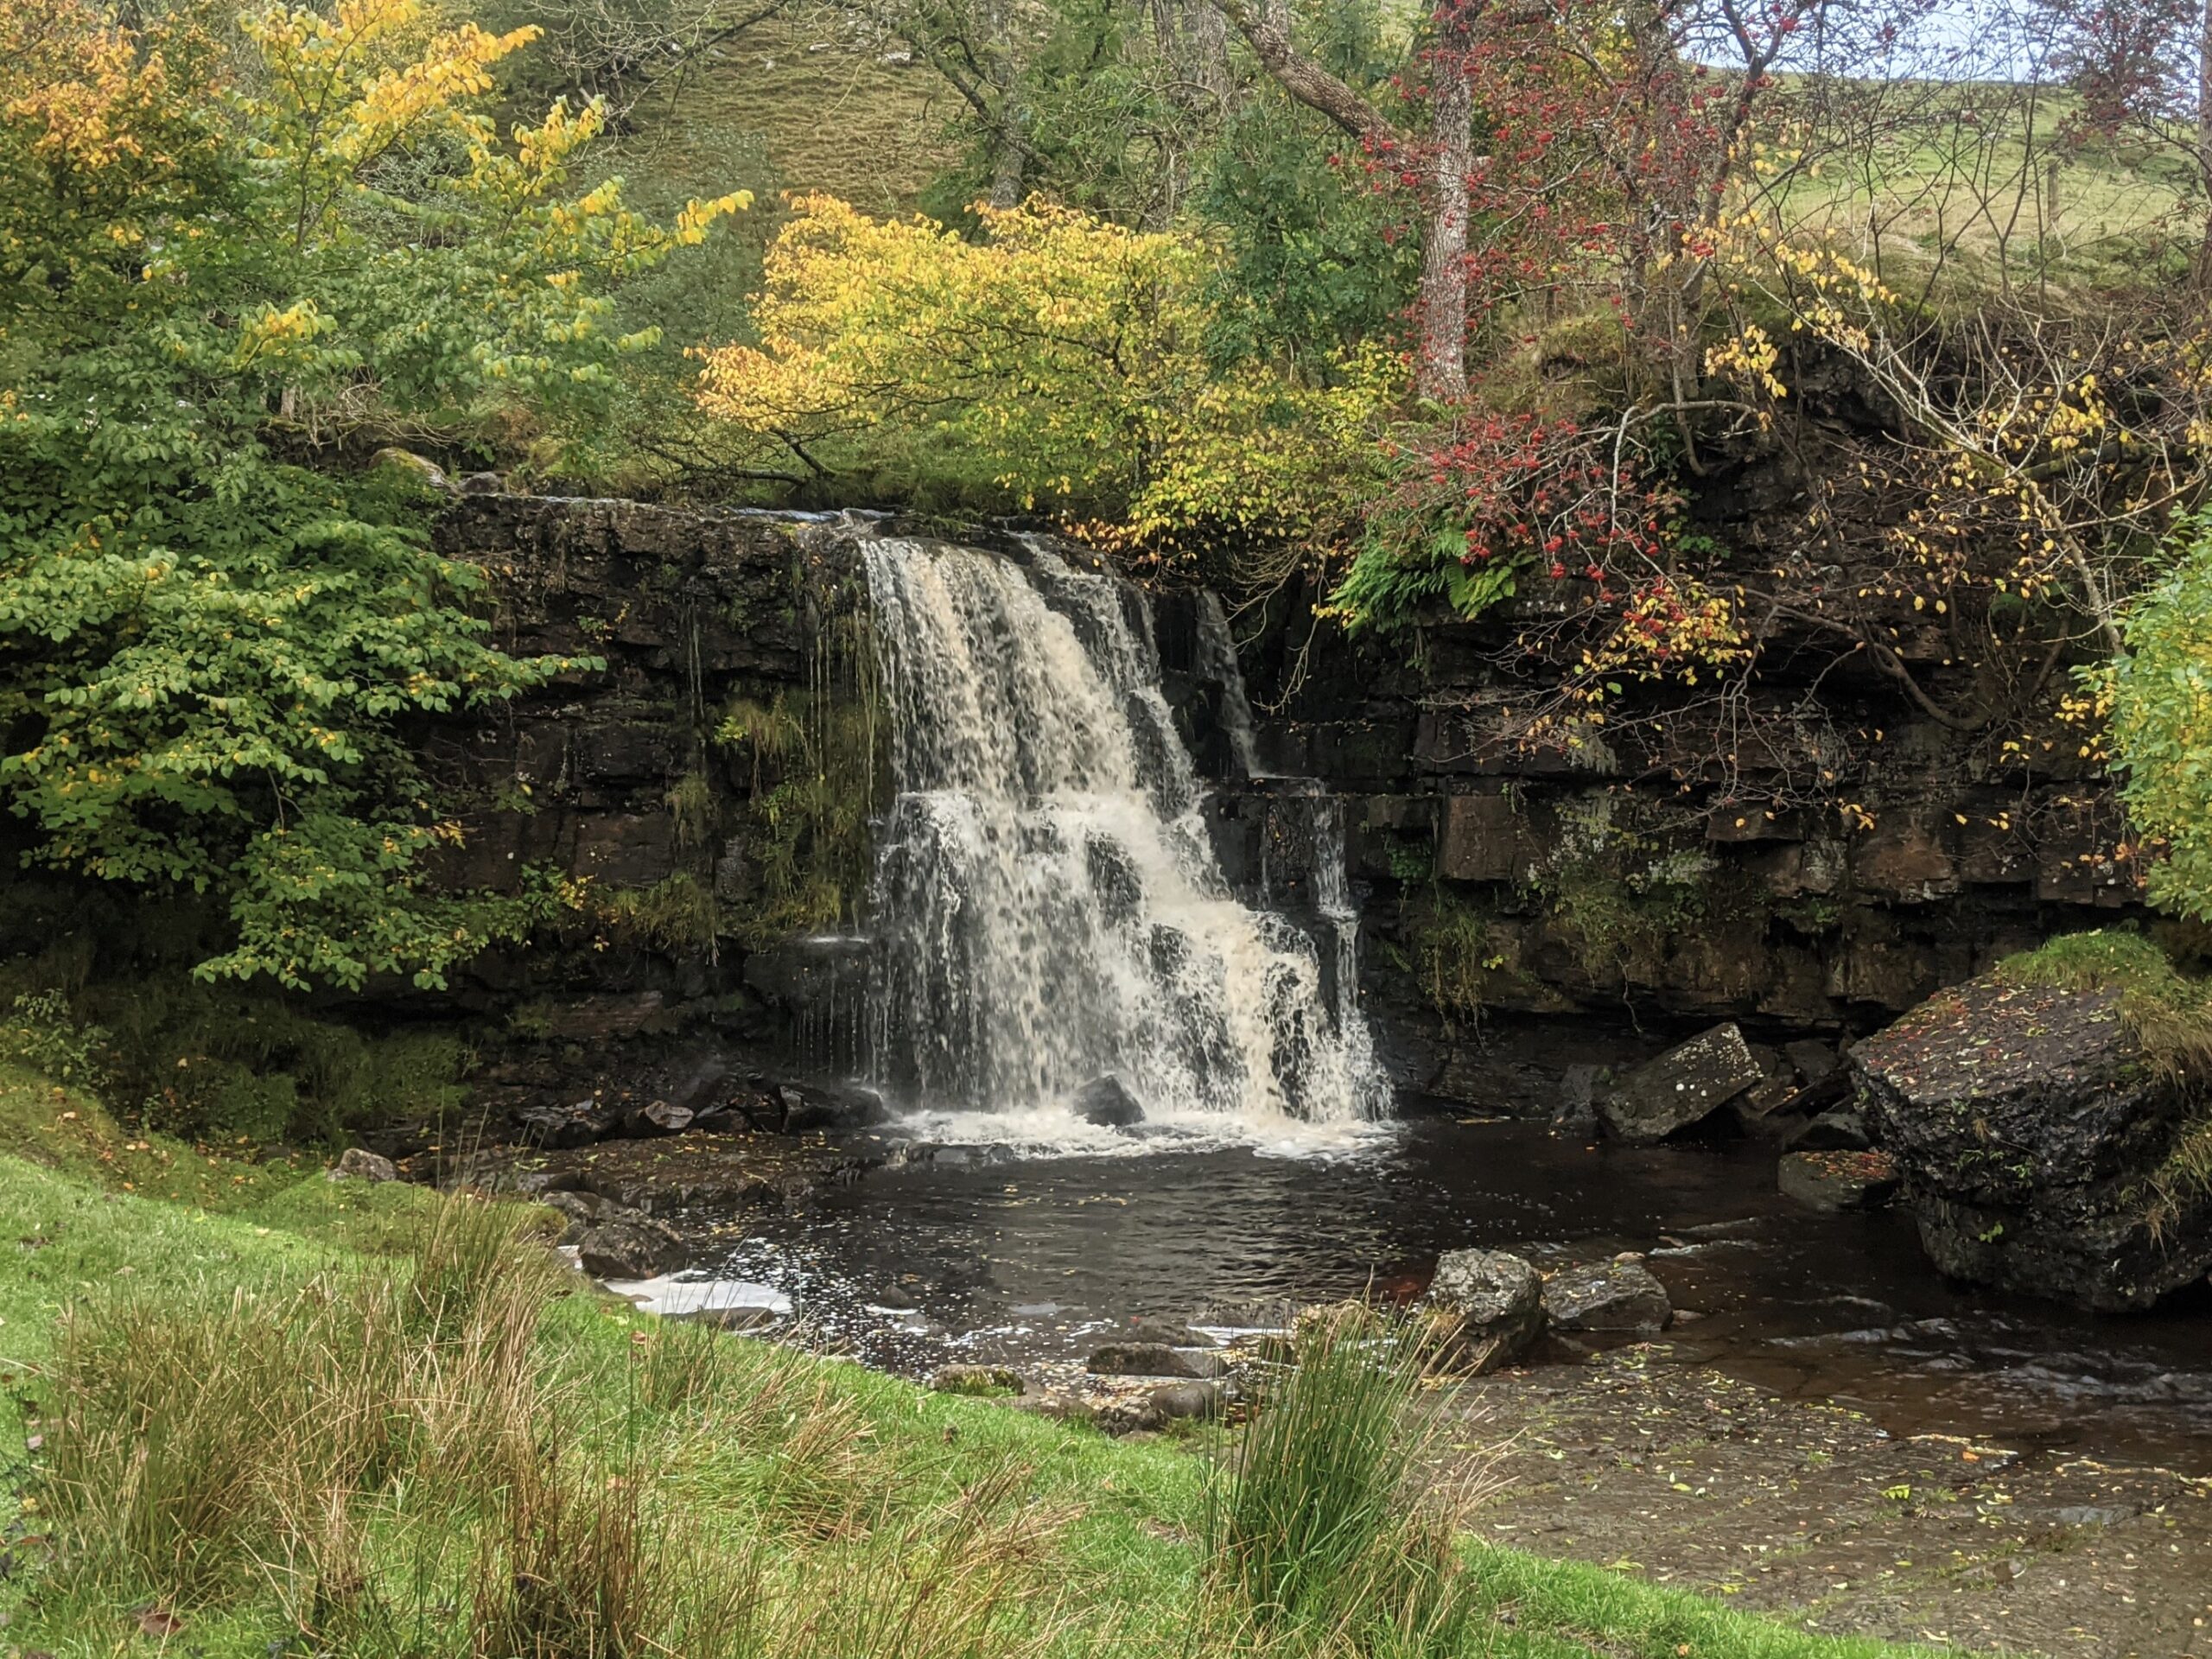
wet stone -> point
(1168, 1331)
(1486, 1308)
(1187, 1400)
(976, 1379)
(632, 1247)
(1841, 1129)
(583, 1211)
(1107, 1103)
(1681, 1087)
(1839, 1180)
(1609, 1296)
(1150, 1359)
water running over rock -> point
(1049, 909)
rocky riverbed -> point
(1818, 1514)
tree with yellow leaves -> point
(1059, 361)
(221, 271)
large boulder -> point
(1485, 1307)
(2039, 1142)
(1683, 1086)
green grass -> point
(252, 1427)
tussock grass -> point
(451, 1453)
(1319, 1539)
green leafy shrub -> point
(42, 1032)
(2159, 695)
(223, 254)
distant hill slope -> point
(810, 110)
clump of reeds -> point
(1319, 1538)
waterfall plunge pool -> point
(985, 1255)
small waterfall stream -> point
(1049, 907)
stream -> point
(983, 1253)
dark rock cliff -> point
(709, 793)
(703, 800)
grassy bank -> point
(266, 1412)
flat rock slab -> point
(668, 1175)
(1683, 1086)
(1608, 1296)
(1839, 1180)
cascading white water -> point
(1048, 905)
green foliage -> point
(207, 644)
(1310, 261)
(898, 352)
(1620, 896)
(41, 1032)
(816, 765)
(2159, 691)
(678, 914)
(1404, 569)
(1454, 953)
(225, 1063)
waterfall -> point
(1048, 906)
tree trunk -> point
(1267, 28)
(1441, 371)
(1009, 143)
(2204, 143)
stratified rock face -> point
(1681, 1086)
(1485, 1307)
(2026, 1123)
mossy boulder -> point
(2047, 1120)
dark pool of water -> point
(983, 1256)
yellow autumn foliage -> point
(1060, 361)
